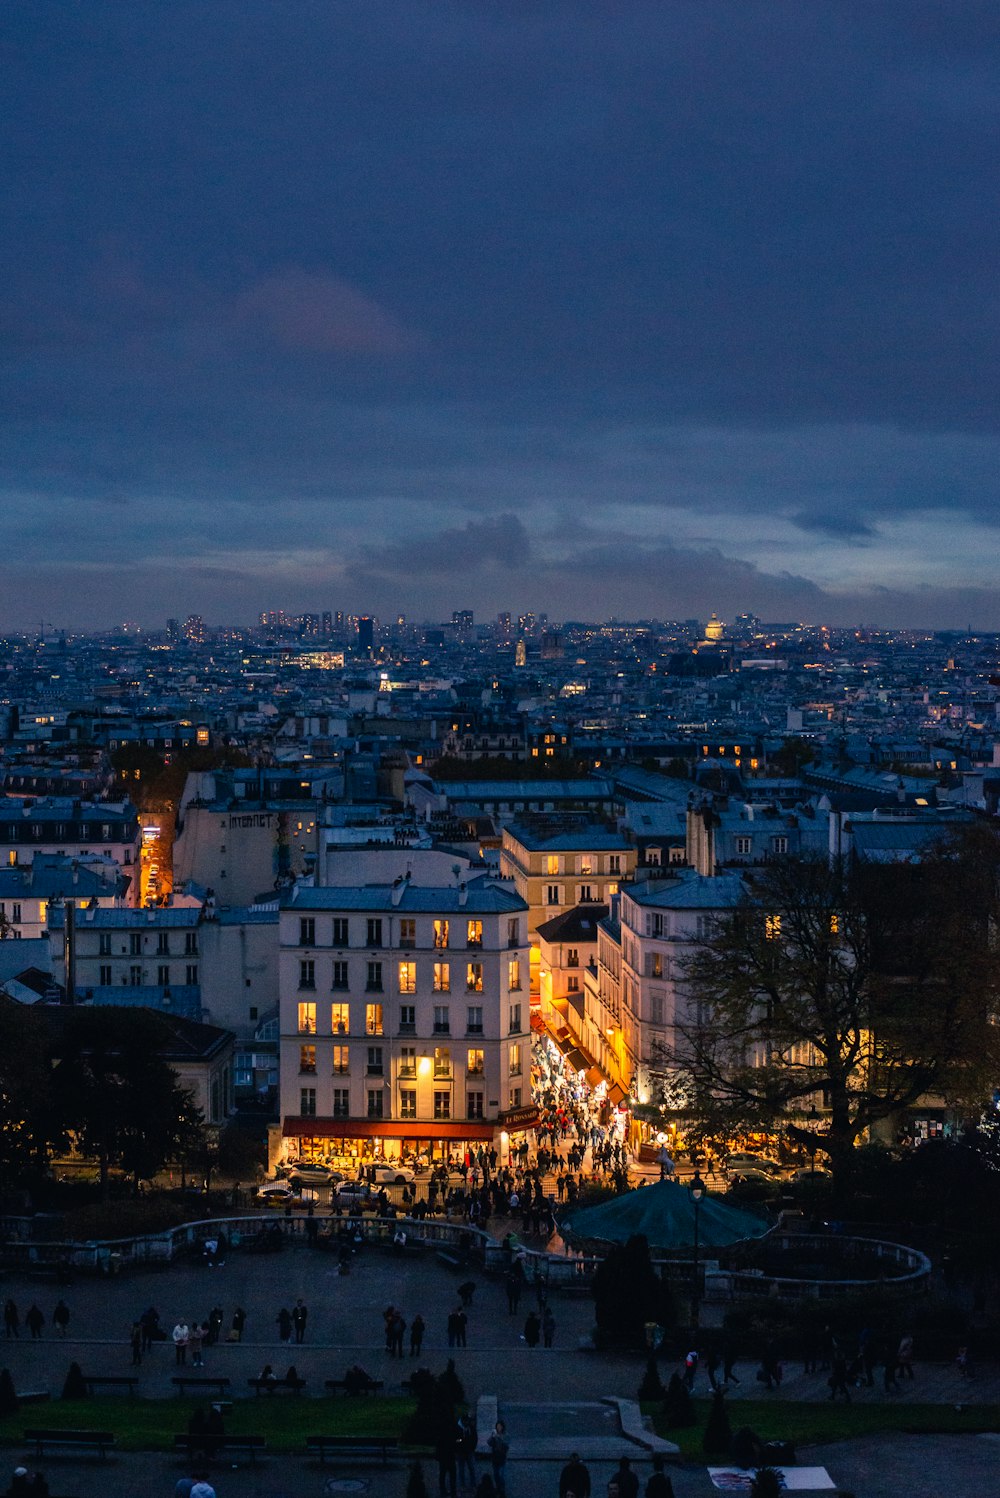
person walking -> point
(416, 1335)
(135, 1341)
(180, 1339)
(397, 1331)
(284, 1320)
(499, 1448)
(838, 1377)
(150, 1323)
(532, 1329)
(574, 1478)
(196, 1337)
(299, 1316)
(239, 1322)
(548, 1334)
(11, 1320)
(34, 1321)
(60, 1317)
(513, 1284)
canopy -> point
(664, 1215)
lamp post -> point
(697, 1189)
(812, 1145)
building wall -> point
(240, 852)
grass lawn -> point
(809, 1424)
(151, 1424)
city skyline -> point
(683, 309)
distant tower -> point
(714, 629)
(366, 633)
(521, 654)
(173, 631)
(463, 620)
(503, 625)
(194, 629)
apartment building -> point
(71, 829)
(404, 1017)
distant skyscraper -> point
(463, 621)
(194, 629)
(366, 632)
(503, 625)
(173, 631)
(326, 624)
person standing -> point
(180, 1338)
(34, 1321)
(136, 1344)
(627, 1481)
(196, 1337)
(11, 1320)
(532, 1329)
(299, 1316)
(499, 1448)
(548, 1334)
(284, 1321)
(574, 1478)
(60, 1318)
(659, 1484)
(838, 1377)
(416, 1335)
(239, 1322)
(468, 1440)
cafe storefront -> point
(357, 1141)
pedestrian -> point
(468, 1440)
(513, 1283)
(196, 1337)
(180, 1338)
(135, 1341)
(284, 1320)
(239, 1322)
(445, 1448)
(532, 1329)
(466, 1292)
(498, 1448)
(451, 1327)
(838, 1377)
(202, 1488)
(712, 1364)
(216, 1316)
(729, 1366)
(397, 1331)
(416, 1335)
(659, 1484)
(150, 1323)
(690, 1368)
(34, 1321)
(11, 1320)
(574, 1478)
(461, 1323)
(60, 1317)
(19, 1482)
(904, 1356)
(962, 1362)
(299, 1315)
(548, 1333)
(627, 1481)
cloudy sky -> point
(643, 308)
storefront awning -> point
(595, 1077)
(375, 1128)
(616, 1094)
(577, 1059)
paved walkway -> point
(345, 1326)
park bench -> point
(275, 1385)
(370, 1386)
(199, 1381)
(109, 1381)
(359, 1447)
(33, 1396)
(231, 1444)
(80, 1440)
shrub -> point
(8, 1394)
(628, 1293)
(75, 1386)
(134, 1218)
(718, 1435)
(416, 1487)
(651, 1387)
(678, 1406)
(768, 1483)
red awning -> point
(376, 1128)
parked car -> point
(391, 1175)
(351, 1191)
(314, 1175)
(745, 1164)
(282, 1193)
(807, 1173)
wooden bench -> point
(371, 1386)
(81, 1440)
(102, 1381)
(199, 1381)
(360, 1447)
(229, 1443)
(275, 1385)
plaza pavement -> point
(345, 1326)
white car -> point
(280, 1194)
(745, 1164)
(392, 1175)
(354, 1191)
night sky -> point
(627, 308)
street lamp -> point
(697, 1189)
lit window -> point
(552, 863)
(373, 1019)
(307, 1019)
(475, 1063)
(474, 934)
(441, 933)
(514, 1060)
(514, 973)
(341, 1059)
(772, 927)
(307, 1058)
(442, 977)
(407, 977)
(442, 1061)
(474, 977)
(340, 1018)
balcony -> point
(374, 1069)
(374, 988)
(474, 1030)
(406, 1029)
(442, 1028)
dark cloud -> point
(723, 271)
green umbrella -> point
(664, 1215)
